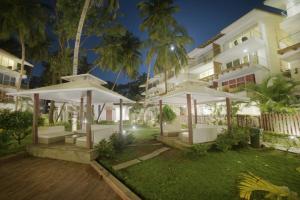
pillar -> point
(195, 111)
(229, 113)
(81, 112)
(121, 118)
(190, 122)
(89, 141)
(160, 118)
(36, 113)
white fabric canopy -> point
(71, 92)
(198, 91)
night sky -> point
(202, 18)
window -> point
(13, 81)
(236, 62)
(1, 78)
(228, 65)
(6, 80)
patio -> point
(36, 178)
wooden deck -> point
(40, 178)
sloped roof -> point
(72, 92)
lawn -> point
(143, 144)
(175, 176)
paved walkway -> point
(37, 179)
(140, 159)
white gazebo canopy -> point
(198, 91)
(73, 91)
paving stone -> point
(126, 164)
(153, 154)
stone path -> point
(283, 148)
(140, 159)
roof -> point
(3, 52)
(199, 92)
(211, 40)
(89, 77)
(71, 92)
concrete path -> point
(140, 159)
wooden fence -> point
(280, 123)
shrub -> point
(168, 115)
(17, 124)
(129, 139)
(236, 138)
(198, 150)
(4, 139)
(120, 141)
(105, 149)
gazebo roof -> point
(72, 91)
(198, 91)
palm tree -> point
(25, 20)
(275, 94)
(111, 5)
(166, 38)
(120, 54)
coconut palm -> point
(120, 54)
(25, 20)
(166, 38)
(110, 5)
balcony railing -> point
(289, 41)
(243, 37)
(292, 10)
(253, 60)
(206, 58)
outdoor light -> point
(124, 131)
(292, 137)
(133, 127)
(172, 47)
(245, 50)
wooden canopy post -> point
(190, 121)
(160, 118)
(36, 113)
(195, 111)
(89, 142)
(229, 113)
(121, 118)
(81, 112)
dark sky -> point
(202, 18)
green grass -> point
(144, 137)
(174, 176)
(14, 147)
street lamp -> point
(172, 47)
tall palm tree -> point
(25, 20)
(120, 54)
(111, 5)
(166, 38)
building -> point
(289, 42)
(10, 67)
(243, 52)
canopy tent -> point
(200, 93)
(80, 87)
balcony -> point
(240, 67)
(292, 13)
(246, 42)
(290, 47)
(201, 60)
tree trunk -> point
(113, 87)
(147, 84)
(51, 112)
(116, 80)
(78, 36)
(22, 43)
(166, 81)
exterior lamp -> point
(134, 127)
(172, 47)
(245, 50)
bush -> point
(198, 150)
(105, 149)
(168, 115)
(235, 139)
(105, 122)
(4, 139)
(129, 139)
(119, 142)
(17, 124)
